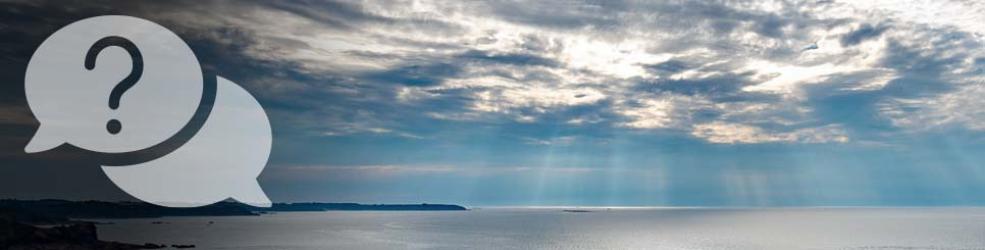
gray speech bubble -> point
(222, 161)
(73, 102)
(117, 84)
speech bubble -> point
(116, 84)
(221, 161)
(72, 100)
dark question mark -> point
(114, 126)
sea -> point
(581, 228)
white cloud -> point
(964, 15)
(666, 111)
(733, 133)
(555, 141)
(787, 79)
(541, 99)
(959, 108)
(530, 66)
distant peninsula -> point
(21, 220)
(313, 207)
(42, 211)
(61, 224)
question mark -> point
(114, 126)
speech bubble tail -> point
(41, 142)
(251, 194)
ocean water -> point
(550, 228)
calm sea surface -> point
(549, 228)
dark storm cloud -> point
(720, 88)
(867, 31)
(507, 58)
(670, 66)
(417, 75)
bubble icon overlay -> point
(119, 84)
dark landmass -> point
(576, 211)
(57, 211)
(52, 224)
(75, 235)
(298, 207)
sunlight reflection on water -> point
(550, 228)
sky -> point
(590, 103)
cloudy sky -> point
(569, 102)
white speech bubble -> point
(71, 101)
(222, 161)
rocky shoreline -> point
(72, 235)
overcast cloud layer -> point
(600, 102)
(727, 72)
